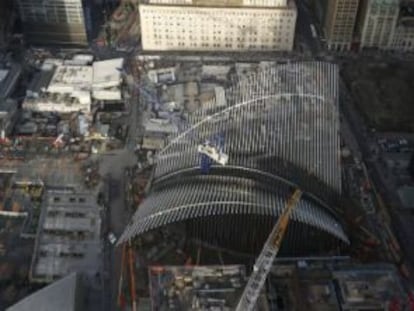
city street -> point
(303, 30)
(135, 119)
(112, 166)
(365, 140)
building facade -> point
(404, 36)
(218, 28)
(378, 19)
(404, 31)
(339, 23)
(53, 22)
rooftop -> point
(107, 73)
(196, 288)
(7, 106)
(68, 237)
(326, 287)
(9, 75)
(70, 78)
(40, 82)
(12, 201)
(69, 85)
(371, 289)
(62, 295)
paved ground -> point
(112, 166)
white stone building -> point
(379, 19)
(232, 25)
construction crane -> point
(265, 260)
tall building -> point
(404, 32)
(212, 25)
(339, 24)
(280, 131)
(377, 22)
(6, 20)
(51, 22)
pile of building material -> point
(91, 172)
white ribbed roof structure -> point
(280, 129)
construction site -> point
(263, 146)
(38, 226)
(227, 172)
(68, 238)
(260, 153)
(202, 184)
(72, 111)
(195, 288)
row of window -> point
(278, 38)
(71, 199)
(220, 24)
(161, 13)
(52, 16)
(217, 45)
(216, 35)
(348, 3)
(50, 8)
(192, 16)
(241, 24)
(42, 17)
(224, 29)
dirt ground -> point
(384, 93)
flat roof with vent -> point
(68, 236)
